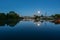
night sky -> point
(30, 7)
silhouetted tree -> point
(2, 16)
(56, 16)
(12, 15)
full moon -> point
(38, 11)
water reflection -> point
(2, 22)
(38, 22)
(12, 23)
(55, 22)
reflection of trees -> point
(2, 23)
(55, 22)
(11, 23)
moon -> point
(38, 11)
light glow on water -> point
(37, 23)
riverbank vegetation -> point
(56, 16)
(14, 16)
(10, 16)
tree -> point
(57, 15)
(2, 16)
(12, 15)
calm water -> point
(29, 30)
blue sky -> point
(30, 7)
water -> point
(29, 30)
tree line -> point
(14, 16)
(11, 15)
(56, 16)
